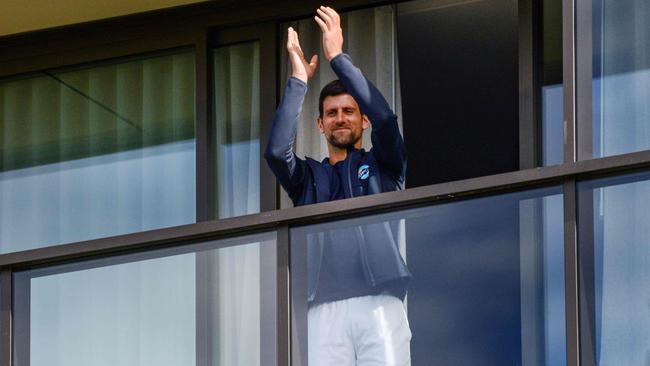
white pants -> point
(361, 331)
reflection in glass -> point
(237, 129)
(488, 277)
(552, 121)
(96, 152)
(614, 224)
(621, 78)
(169, 307)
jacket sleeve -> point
(387, 143)
(279, 154)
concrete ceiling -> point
(17, 16)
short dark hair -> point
(332, 89)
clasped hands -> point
(329, 22)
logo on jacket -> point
(364, 172)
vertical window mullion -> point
(204, 192)
(283, 298)
(571, 273)
(529, 86)
(587, 269)
(569, 82)
(268, 89)
(5, 317)
(204, 126)
(570, 210)
(583, 79)
(20, 321)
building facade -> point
(139, 224)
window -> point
(188, 305)
(237, 129)
(614, 218)
(132, 189)
(615, 118)
(458, 72)
(97, 151)
(488, 276)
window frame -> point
(204, 329)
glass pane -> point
(198, 304)
(458, 70)
(97, 152)
(552, 90)
(553, 124)
(237, 130)
(614, 237)
(487, 284)
(620, 115)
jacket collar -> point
(352, 153)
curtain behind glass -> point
(237, 154)
(369, 37)
(140, 313)
(143, 309)
(237, 129)
(97, 152)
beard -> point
(345, 141)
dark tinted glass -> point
(488, 276)
(458, 65)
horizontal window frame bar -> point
(126, 257)
(146, 32)
(100, 54)
(330, 211)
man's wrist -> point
(300, 77)
(299, 80)
(333, 55)
(336, 56)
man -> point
(356, 276)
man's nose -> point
(340, 117)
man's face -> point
(342, 122)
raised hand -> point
(300, 68)
(329, 22)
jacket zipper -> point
(347, 169)
(359, 231)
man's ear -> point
(319, 122)
(365, 122)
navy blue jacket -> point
(306, 181)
